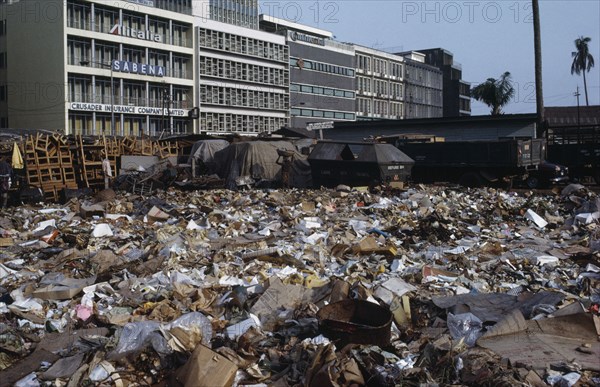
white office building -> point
(379, 84)
(97, 67)
(243, 73)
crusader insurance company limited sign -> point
(153, 111)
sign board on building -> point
(147, 3)
(319, 125)
(299, 36)
(129, 32)
(103, 108)
(138, 68)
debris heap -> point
(302, 287)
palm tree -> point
(583, 61)
(495, 92)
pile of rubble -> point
(302, 287)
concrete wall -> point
(36, 80)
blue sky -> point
(486, 37)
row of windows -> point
(380, 87)
(381, 66)
(238, 12)
(423, 95)
(85, 123)
(242, 45)
(227, 69)
(419, 111)
(80, 50)
(242, 123)
(423, 76)
(294, 87)
(380, 108)
(98, 90)
(305, 64)
(181, 6)
(228, 96)
(322, 114)
(79, 15)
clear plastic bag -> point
(136, 336)
(465, 325)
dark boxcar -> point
(358, 164)
(472, 163)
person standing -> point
(6, 174)
(106, 170)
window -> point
(133, 94)
(158, 58)
(105, 53)
(78, 15)
(158, 27)
(104, 19)
(102, 90)
(81, 123)
(134, 54)
(80, 89)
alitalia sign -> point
(137, 34)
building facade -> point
(423, 87)
(156, 67)
(97, 67)
(243, 73)
(457, 93)
(322, 74)
(379, 84)
(242, 13)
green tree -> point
(495, 93)
(583, 61)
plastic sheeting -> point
(258, 160)
(204, 151)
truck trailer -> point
(472, 163)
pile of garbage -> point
(291, 287)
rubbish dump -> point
(428, 285)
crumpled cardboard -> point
(540, 343)
(329, 370)
(208, 368)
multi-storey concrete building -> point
(151, 67)
(243, 73)
(379, 84)
(93, 67)
(322, 74)
(423, 87)
(456, 93)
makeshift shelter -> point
(259, 162)
(356, 163)
(203, 154)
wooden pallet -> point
(90, 156)
(49, 164)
